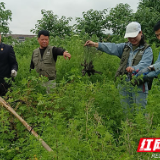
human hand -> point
(13, 73)
(144, 71)
(91, 44)
(130, 69)
(66, 54)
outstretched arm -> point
(91, 44)
(66, 54)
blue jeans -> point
(129, 97)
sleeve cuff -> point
(156, 67)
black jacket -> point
(7, 61)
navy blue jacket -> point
(7, 61)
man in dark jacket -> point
(8, 66)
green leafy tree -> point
(152, 4)
(147, 18)
(56, 27)
(93, 22)
(119, 17)
(5, 16)
(147, 15)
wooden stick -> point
(9, 108)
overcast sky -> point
(25, 13)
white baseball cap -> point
(132, 30)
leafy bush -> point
(82, 117)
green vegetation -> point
(82, 117)
(5, 16)
(57, 27)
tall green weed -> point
(82, 118)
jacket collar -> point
(139, 47)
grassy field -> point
(82, 118)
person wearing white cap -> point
(132, 30)
(135, 54)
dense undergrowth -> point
(82, 118)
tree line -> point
(94, 22)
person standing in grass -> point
(44, 58)
(135, 54)
(152, 71)
(8, 66)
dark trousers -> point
(4, 88)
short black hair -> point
(43, 32)
(157, 26)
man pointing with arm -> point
(44, 58)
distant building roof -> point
(21, 37)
